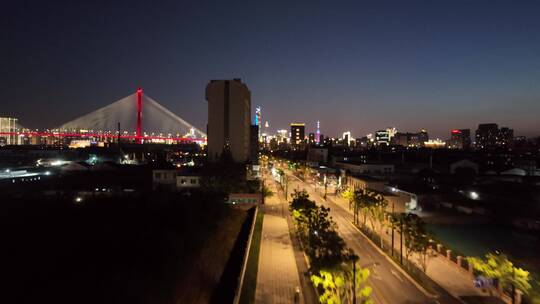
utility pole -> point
(354, 279)
(401, 239)
(286, 186)
(262, 190)
(392, 224)
(325, 186)
(355, 217)
(513, 285)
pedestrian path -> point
(277, 278)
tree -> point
(301, 202)
(423, 249)
(375, 205)
(301, 208)
(355, 279)
(327, 247)
(394, 223)
(332, 285)
(348, 194)
(317, 230)
(413, 234)
(359, 204)
(266, 192)
(337, 286)
(497, 266)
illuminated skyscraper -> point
(8, 127)
(460, 139)
(258, 120)
(311, 138)
(487, 136)
(298, 132)
(318, 133)
(347, 137)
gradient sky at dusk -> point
(358, 65)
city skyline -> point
(309, 151)
(353, 67)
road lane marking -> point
(395, 274)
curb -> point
(238, 292)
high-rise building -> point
(8, 127)
(254, 144)
(298, 132)
(423, 137)
(229, 111)
(382, 138)
(401, 139)
(347, 138)
(506, 137)
(466, 137)
(487, 136)
(282, 136)
(311, 138)
(258, 121)
(391, 132)
(460, 139)
(414, 140)
(318, 133)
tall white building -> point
(8, 127)
(347, 138)
(229, 111)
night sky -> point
(354, 65)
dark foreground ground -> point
(162, 248)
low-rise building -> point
(164, 178)
(319, 155)
(365, 183)
(244, 198)
(367, 168)
(186, 181)
(177, 179)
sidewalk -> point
(457, 282)
(278, 273)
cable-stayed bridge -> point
(135, 117)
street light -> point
(325, 186)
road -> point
(388, 283)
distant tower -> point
(318, 133)
(258, 120)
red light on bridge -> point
(139, 115)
